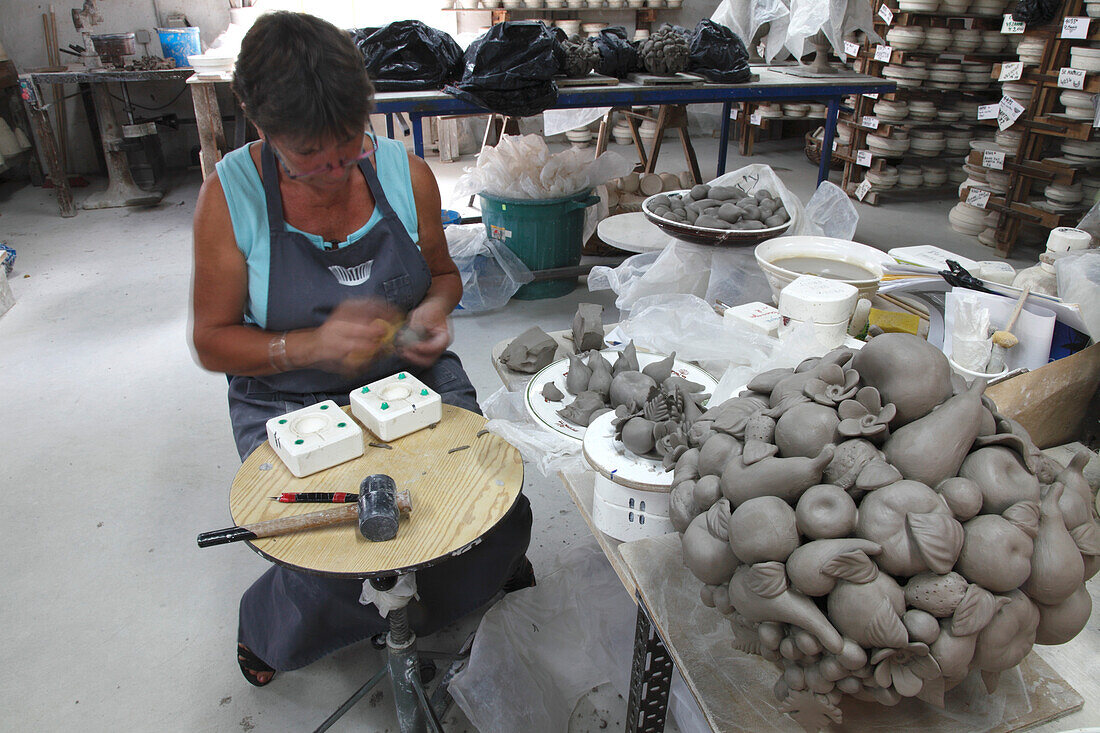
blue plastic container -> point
(450, 217)
(179, 43)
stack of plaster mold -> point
(877, 529)
(625, 195)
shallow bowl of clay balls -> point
(726, 215)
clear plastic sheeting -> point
(491, 273)
(557, 121)
(830, 213)
(548, 451)
(792, 23)
(745, 18)
(1079, 282)
(521, 167)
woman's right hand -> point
(352, 335)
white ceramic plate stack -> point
(571, 27)
(1084, 57)
(976, 76)
(927, 143)
(581, 138)
(945, 76)
(1090, 185)
(887, 147)
(816, 110)
(919, 6)
(511, 4)
(773, 109)
(1079, 105)
(1009, 141)
(997, 181)
(591, 29)
(1018, 91)
(968, 108)
(948, 115)
(966, 40)
(1063, 197)
(987, 7)
(922, 110)
(954, 7)
(905, 37)
(934, 174)
(621, 133)
(889, 111)
(1081, 151)
(555, 4)
(957, 140)
(993, 41)
(956, 175)
(1030, 50)
(910, 176)
(882, 180)
(937, 39)
(1092, 10)
(967, 219)
(905, 76)
(797, 109)
(843, 134)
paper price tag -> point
(988, 111)
(834, 146)
(755, 118)
(883, 53)
(976, 197)
(851, 49)
(863, 158)
(734, 112)
(872, 95)
(871, 122)
(1010, 111)
(1011, 71)
(993, 159)
(886, 14)
(1075, 28)
(1071, 78)
(863, 189)
(1012, 26)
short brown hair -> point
(302, 77)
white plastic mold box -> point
(315, 438)
(396, 406)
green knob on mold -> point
(385, 405)
(299, 441)
(424, 393)
(341, 424)
(365, 390)
(324, 407)
(401, 375)
(282, 422)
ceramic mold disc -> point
(613, 461)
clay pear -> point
(1056, 565)
(1060, 623)
(805, 429)
(815, 567)
(681, 505)
(995, 553)
(1076, 501)
(600, 380)
(785, 478)
(707, 552)
(760, 593)
(661, 370)
(1008, 638)
(933, 447)
(716, 452)
(576, 381)
(627, 360)
(906, 370)
(1002, 477)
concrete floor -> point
(115, 451)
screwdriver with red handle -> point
(316, 497)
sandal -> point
(252, 666)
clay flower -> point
(906, 668)
(865, 416)
(812, 711)
(832, 386)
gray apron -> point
(290, 619)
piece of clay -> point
(869, 613)
(760, 593)
(581, 410)
(707, 550)
(849, 460)
(458, 448)
(707, 491)
(631, 389)
(576, 380)
(825, 511)
(804, 430)
(963, 497)
(1076, 501)
(687, 467)
(932, 448)
(627, 361)
(866, 416)
(1060, 623)
(383, 446)
(681, 505)
(906, 370)
(637, 435)
(876, 474)
(953, 654)
(815, 567)
(914, 527)
(921, 625)
(1007, 639)
(765, 382)
(588, 327)
(600, 380)
(552, 393)
(975, 611)
(995, 554)
(661, 370)
(529, 352)
(785, 478)
(1056, 564)
(716, 452)
(939, 595)
(762, 530)
(1001, 475)
(832, 385)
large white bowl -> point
(839, 250)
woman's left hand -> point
(429, 320)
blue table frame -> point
(773, 86)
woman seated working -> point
(309, 245)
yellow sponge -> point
(894, 321)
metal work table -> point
(121, 189)
(773, 85)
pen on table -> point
(316, 497)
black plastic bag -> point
(510, 70)
(408, 55)
(718, 54)
(1036, 12)
(618, 56)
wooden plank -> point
(457, 497)
(47, 148)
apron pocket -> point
(399, 292)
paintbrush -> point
(1003, 340)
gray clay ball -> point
(711, 222)
(751, 212)
(730, 212)
(774, 221)
(698, 193)
(723, 193)
(748, 224)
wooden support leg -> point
(208, 119)
(689, 154)
(637, 137)
(47, 146)
(662, 125)
(605, 132)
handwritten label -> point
(872, 95)
(886, 14)
(834, 146)
(863, 158)
(1010, 111)
(1011, 71)
(871, 122)
(863, 188)
(1071, 78)
(883, 53)
(988, 111)
(755, 118)
(1012, 26)
(993, 159)
(851, 49)
(1075, 28)
(734, 112)
(977, 197)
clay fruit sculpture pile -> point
(876, 528)
(580, 57)
(665, 52)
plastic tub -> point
(544, 234)
(179, 43)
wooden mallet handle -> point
(283, 525)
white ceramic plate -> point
(546, 413)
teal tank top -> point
(244, 193)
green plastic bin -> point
(544, 233)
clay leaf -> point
(877, 474)
(812, 712)
(885, 628)
(1024, 515)
(1087, 537)
(853, 566)
(768, 579)
(932, 692)
(938, 537)
(745, 638)
(974, 611)
(757, 450)
(718, 518)
(1010, 440)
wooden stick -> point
(904, 306)
(1019, 307)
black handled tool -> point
(316, 497)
